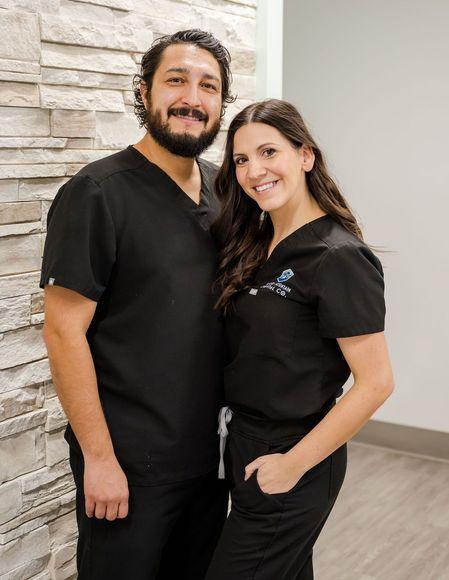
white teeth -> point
(265, 186)
(191, 117)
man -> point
(133, 340)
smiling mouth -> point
(188, 115)
(188, 118)
(265, 186)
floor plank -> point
(390, 522)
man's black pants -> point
(170, 532)
(271, 536)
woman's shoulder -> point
(332, 233)
(340, 245)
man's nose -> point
(191, 96)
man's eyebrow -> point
(183, 70)
(211, 77)
(179, 69)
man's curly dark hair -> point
(153, 56)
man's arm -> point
(67, 318)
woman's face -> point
(268, 168)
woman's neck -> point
(292, 216)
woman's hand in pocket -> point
(276, 473)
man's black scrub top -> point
(122, 233)
(285, 366)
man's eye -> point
(209, 86)
(175, 80)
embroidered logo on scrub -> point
(286, 275)
(278, 287)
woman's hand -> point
(276, 473)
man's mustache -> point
(186, 111)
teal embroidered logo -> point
(286, 275)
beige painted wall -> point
(371, 79)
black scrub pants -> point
(271, 536)
(170, 532)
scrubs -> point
(124, 234)
(284, 373)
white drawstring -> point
(224, 417)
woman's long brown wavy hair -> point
(242, 235)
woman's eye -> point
(269, 152)
(239, 160)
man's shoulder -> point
(209, 172)
(208, 167)
(207, 163)
(116, 163)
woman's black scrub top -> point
(285, 365)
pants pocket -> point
(284, 447)
(316, 473)
(240, 451)
(246, 495)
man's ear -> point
(308, 157)
(143, 93)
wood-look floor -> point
(390, 522)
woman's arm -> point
(368, 359)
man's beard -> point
(182, 144)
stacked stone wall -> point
(66, 69)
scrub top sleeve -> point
(80, 246)
(349, 290)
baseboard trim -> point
(414, 440)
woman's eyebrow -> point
(265, 144)
(260, 147)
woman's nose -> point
(255, 170)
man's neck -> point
(183, 170)
(179, 168)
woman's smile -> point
(268, 185)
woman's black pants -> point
(271, 536)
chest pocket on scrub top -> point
(264, 324)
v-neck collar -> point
(184, 198)
(202, 213)
(285, 241)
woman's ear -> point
(308, 157)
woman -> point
(303, 301)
